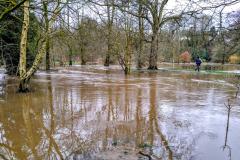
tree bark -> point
(23, 87)
(109, 45)
(25, 79)
(45, 10)
(128, 54)
(107, 60)
(70, 60)
(129, 49)
(83, 58)
(141, 36)
(47, 54)
(110, 14)
(25, 75)
(153, 53)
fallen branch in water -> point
(229, 106)
(146, 155)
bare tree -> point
(25, 75)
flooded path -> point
(86, 113)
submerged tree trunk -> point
(25, 78)
(23, 87)
(128, 54)
(110, 15)
(70, 63)
(25, 75)
(83, 58)
(109, 45)
(153, 53)
(129, 47)
(107, 59)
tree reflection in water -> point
(76, 118)
(56, 124)
(229, 106)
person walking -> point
(198, 63)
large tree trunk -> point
(25, 79)
(24, 87)
(127, 57)
(23, 43)
(47, 54)
(109, 45)
(107, 60)
(83, 58)
(25, 75)
(153, 53)
(141, 37)
(70, 63)
(128, 51)
(45, 9)
(110, 14)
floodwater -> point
(96, 113)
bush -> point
(185, 57)
(234, 59)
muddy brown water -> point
(94, 112)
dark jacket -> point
(198, 62)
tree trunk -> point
(45, 9)
(70, 60)
(153, 53)
(25, 79)
(107, 60)
(25, 76)
(24, 87)
(23, 43)
(110, 15)
(109, 45)
(128, 52)
(141, 38)
(47, 54)
(83, 58)
(223, 59)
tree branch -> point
(9, 10)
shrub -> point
(185, 57)
(234, 59)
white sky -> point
(173, 6)
(181, 4)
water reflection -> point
(89, 114)
(229, 106)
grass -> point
(210, 72)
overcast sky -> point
(173, 6)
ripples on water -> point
(97, 113)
